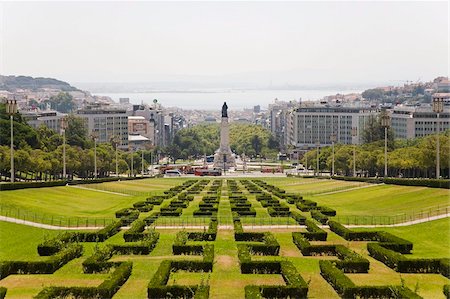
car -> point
(172, 172)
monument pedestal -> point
(224, 158)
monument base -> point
(219, 158)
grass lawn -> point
(143, 187)
(18, 242)
(226, 280)
(67, 201)
(384, 200)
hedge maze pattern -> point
(257, 252)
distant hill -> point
(11, 83)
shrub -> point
(135, 232)
(444, 267)
(3, 292)
(49, 266)
(446, 290)
(314, 232)
(146, 246)
(25, 185)
(105, 290)
(319, 216)
(98, 262)
(298, 217)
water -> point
(212, 99)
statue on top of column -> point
(224, 110)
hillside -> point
(12, 83)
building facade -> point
(49, 118)
(106, 123)
(309, 126)
(412, 122)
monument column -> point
(223, 158)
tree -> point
(374, 131)
(373, 94)
(256, 144)
(62, 102)
(23, 133)
(76, 132)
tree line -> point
(406, 158)
(38, 153)
(195, 142)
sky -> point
(256, 43)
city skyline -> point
(233, 44)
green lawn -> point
(19, 242)
(386, 200)
(310, 186)
(84, 202)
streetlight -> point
(317, 160)
(333, 140)
(438, 107)
(115, 141)
(354, 134)
(385, 123)
(132, 162)
(63, 132)
(11, 109)
(94, 136)
(142, 162)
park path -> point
(221, 227)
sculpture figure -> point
(224, 110)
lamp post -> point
(11, 109)
(317, 159)
(63, 132)
(115, 141)
(385, 123)
(333, 140)
(354, 134)
(142, 163)
(151, 163)
(438, 107)
(94, 137)
(132, 162)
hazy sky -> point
(260, 42)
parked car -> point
(172, 172)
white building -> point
(106, 122)
(49, 118)
(412, 122)
(308, 126)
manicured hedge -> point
(319, 216)
(98, 261)
(158, 288)
(347, 289)
(433, 183)
(298, 217)
(350, 235)
(54, 245)
(446, 290)
(145, 246)
(25, 185)
(49, 266)
(135, 233)
(314, 232)
(107, 289)
(401, 263)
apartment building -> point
(309, 126)
(105, 122)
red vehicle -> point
(201, 171)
